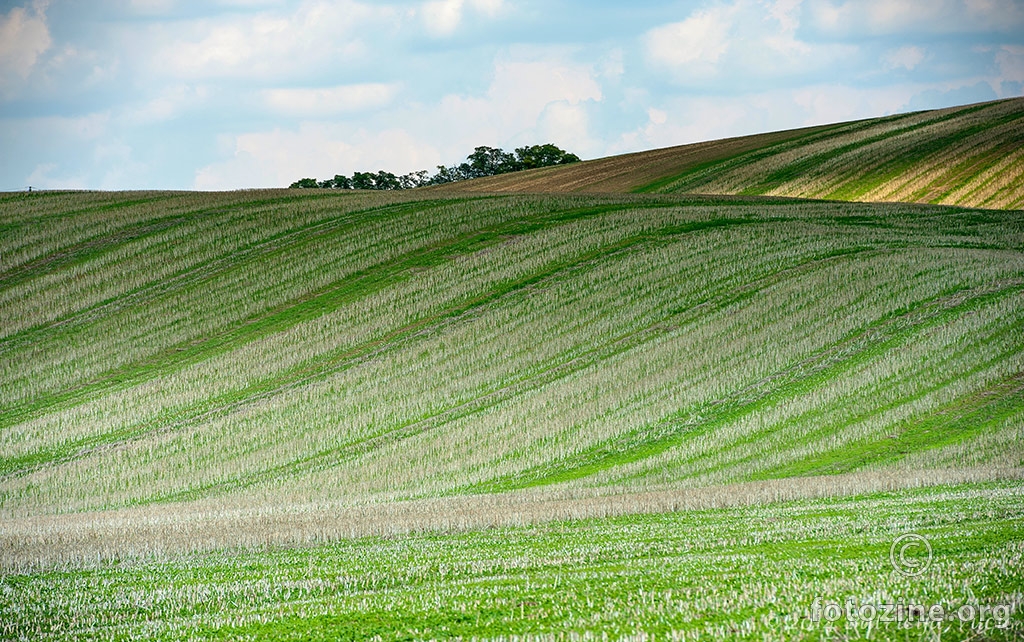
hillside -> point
(197, 352)
(970, 156)
(426, 414)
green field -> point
(779, 571)
(432, 414)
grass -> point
(775, 568)
(435, 414)
(488, 326)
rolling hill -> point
(437, 413)
(971, 156)
(166, 349)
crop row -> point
(963, 156)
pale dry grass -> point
(39, 543)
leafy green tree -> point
(484, 161)
(534, 156)
(386, 180)
(488, 161)
(414, 179)
(363, 180)
(444, 175)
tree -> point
(386, 180)
(488, 161)
(414, 179)
(546, 155)
(363, 180)
(484, 161)
(444, 175)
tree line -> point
(484, 161)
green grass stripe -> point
(918, 152)
(967, 172)
(819, 416)
(954, 422)
(312, 305)
(695, 175)
(804, 166)
(118, 201)
(660, 185)
(88, 249)
(829, 363)
(679, 319)
(209, 269)
(507, 389)
(361, 284)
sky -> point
(226, 94)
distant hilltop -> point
(484, 161)
(971, 156)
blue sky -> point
(138, 94)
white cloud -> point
(42, 177)
(876, 17)
(686, 120)
(248, 4)
(612, 64)
(171, 103)
(526, 84)
(24, 37)
(1010, 59)
(489, 8)
(531, 99)
(270, 45)
(907, 57)
(824, 104)
(785, 12)
(327, 101)
(683, 121)
(696, 43)
(121, 169)
(150, 7)
(568, 126)
(509, 112)
(279, 157)
(783, 40)
(443, 17)
(280, 72)
(749, 39)
(81, 128)
(51, 152)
